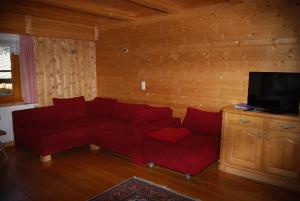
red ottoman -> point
(191, 152)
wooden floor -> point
(80, 174)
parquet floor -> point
(79, 174)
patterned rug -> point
(136, 189)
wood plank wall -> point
(65, 68)
(199, 58)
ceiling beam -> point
(89, 7)
(162, 5)
(50, 12)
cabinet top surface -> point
(231, 109)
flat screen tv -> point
(274, 92)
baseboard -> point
(9, 144)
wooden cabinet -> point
(282, 154)
(261, 146)
(245, 146)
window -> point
(5, 72)
(9, 76)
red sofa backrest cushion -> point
(101, 107)
(152, 114)
(128, 111)
(202, 122)
(69, 108)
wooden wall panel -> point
(65, 68)
(199, 58)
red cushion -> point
(169, 134)
(127, 111)
(101, 107)
(53, 137)
(57, 127)
(208, 123)
(69, 108)
(151, 115)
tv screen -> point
(274, 92)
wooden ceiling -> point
(101, 12)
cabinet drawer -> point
(257, 122)
(290, 126)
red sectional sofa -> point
(191, 149)
(104, 122)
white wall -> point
(6, 120)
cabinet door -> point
(244, 146)
(282, 153)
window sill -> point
(15, 104)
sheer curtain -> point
(28, 69)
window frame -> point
(16, 82)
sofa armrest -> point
(33, 116)
(151, 115)
(28, 138)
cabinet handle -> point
(286, 126)
(244, 121)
